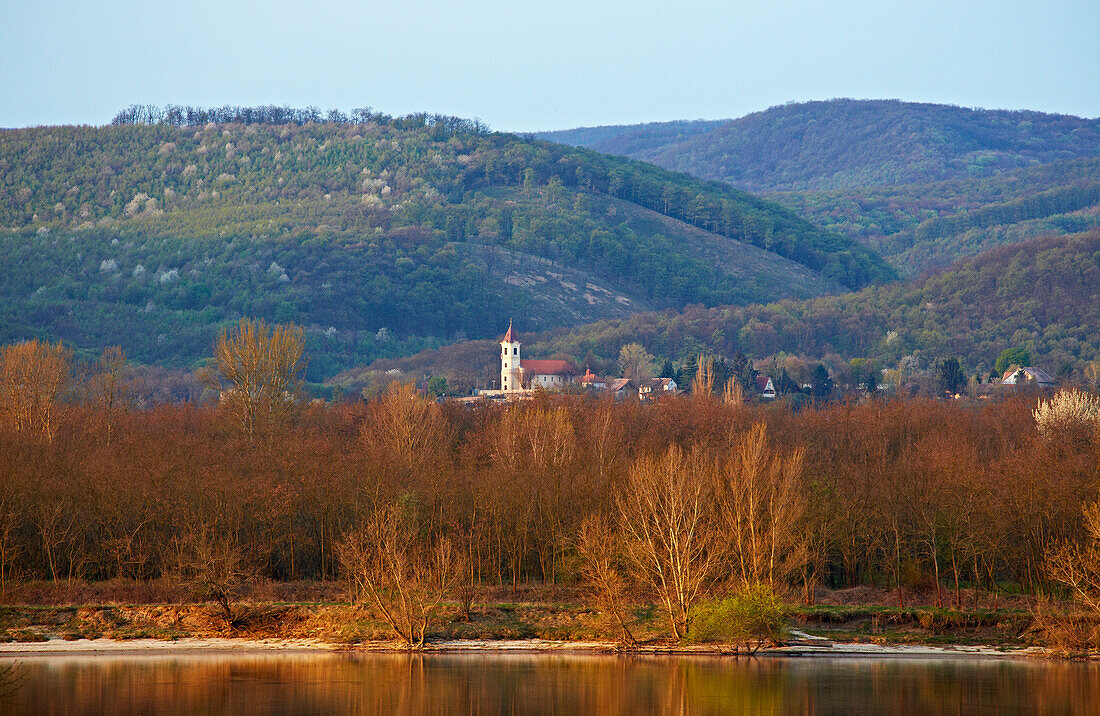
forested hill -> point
(381, 235)
(846, 143)
(921, 227)
(1042, 295)
(637, 141)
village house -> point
(765, 388)
(591, 381)
(623, 388)
(1030, 377)
(656, 387)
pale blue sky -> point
(547, 65)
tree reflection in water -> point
(542, 683)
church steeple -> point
(511, 372)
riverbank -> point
(834, 629)
(191, 646)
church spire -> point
(508, 337)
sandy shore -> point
(162, 646)
(800, 647)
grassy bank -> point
(317, 611)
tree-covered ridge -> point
(264, 179)
(1042, 295)
(918, 227)
(848, 143)
(380, 238)
(637, 141)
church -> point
(521, 376)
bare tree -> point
(109, 389)
(32, 376)
(662, 513)
(762, 505)
(211, 564)
(600, 550)
(9, 545)
(405, 427)
(635, 362)
(404, 577)
(733, 393)
(1077, 566)
(257, 371)
(702, 385)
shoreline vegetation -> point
(849, 622)
(695, 520)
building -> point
(765, 388)
(591, 381)
(1030, 377)
(519, 376)
(656, 387)
(511, 364)
(623, 388)
(547, 374)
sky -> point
(528, 66)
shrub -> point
(748, 618)
(1071, 415)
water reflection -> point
(546, 684)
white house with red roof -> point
(1029, 377)
(591, 381)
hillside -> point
(920, 227)
(840, 144)
(637, 141)
(924, 185)
(381, 235)
(1043, 295)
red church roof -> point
(547, 367)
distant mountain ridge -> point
(381, 235)
(922, 184)
(845, 143)
(637, 141)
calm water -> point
(547, 684)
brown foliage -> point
(257, 372)
(32, 376)
(762, 506)
(665, 517)
(918, 496)
(402, 575)
(599, 548)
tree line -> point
(188, 116)
(690, 496)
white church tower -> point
(511, 373)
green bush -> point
(751, 616)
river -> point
(544, 684)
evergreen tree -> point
(823, 384)
(740, 367)
(950, 377)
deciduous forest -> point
(696, 491)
